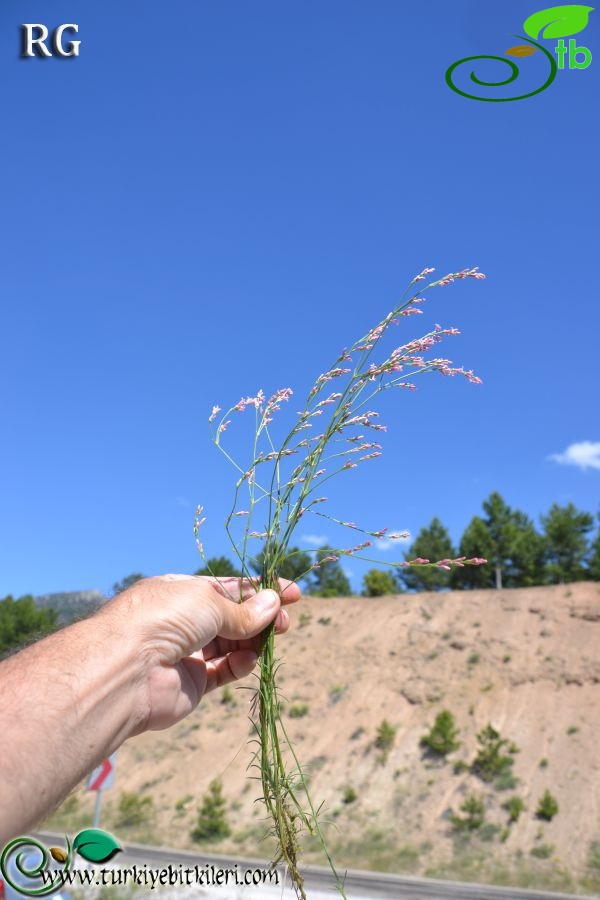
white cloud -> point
(584, 455)
(315, 540)
(385, 544)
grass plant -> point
(336, 430)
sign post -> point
(102, 778)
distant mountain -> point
(71, 605)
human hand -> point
(194, 638)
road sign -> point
(103, 776)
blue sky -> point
(215, 198)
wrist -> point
(82, 690)
(125, 666)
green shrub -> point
(335, 692)
(547, 807)
(384, 738)
(442, 737)
(543, 763)
(181, 804)
(542, 851)
(304, 619)
(474, 809)
(212, 823)
(377, 583)
(506, 781)
(473, 659)
(228, 698)
(488, 831)
(514, 806)
(572, 729)
(298, 711)
(490, 762)
(349, 795)
(133, 810)
(593, 860)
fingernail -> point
(282, 620)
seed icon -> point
(520, 50)
(58, 854)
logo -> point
(25, 859)
(34, 37)
(555, 22)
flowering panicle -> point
(422, 275)
(358, 548)
(329, 400)
(285, 492)
(199, 520)
(447, 564)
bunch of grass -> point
(281, 483)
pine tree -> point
(594, 565)
(474, 807)
(22, 621)
(127, 582)
(508, 539)
(527, 553)
(220, 567)
(491, 761)
(476, 541)
(329, 580)
(547, 807)
(212, 824)
(499, 521)
(432, 543)
(565, 532)
(442, 738)
(294, 567)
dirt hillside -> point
(527, 661)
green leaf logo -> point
(96, 845)
(557, 21)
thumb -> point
(239, 621)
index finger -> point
(289, 591)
